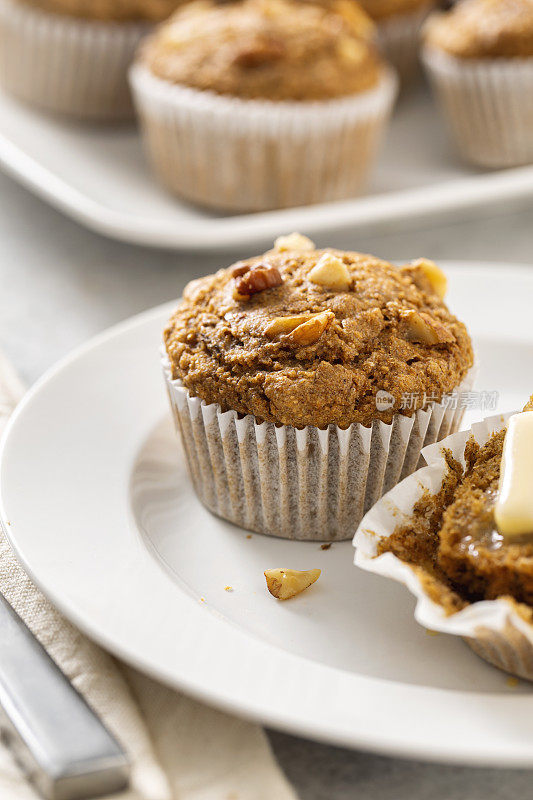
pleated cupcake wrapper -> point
(66, 65)
(488, 105)
(399, 39)
(493, 628)
(307, 484)
(250, 155)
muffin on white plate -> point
(72, 57)
(263, 104)
(479, 57)
(287, 372)
(459, 534)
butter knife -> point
(59, 742)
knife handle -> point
(59, 742)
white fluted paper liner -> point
(308, 484)
(252, 155)
(488, 104)
(67, 65)
(493, 628)
(399, 41)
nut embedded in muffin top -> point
(278, 50)
(483, 29)
(300, 336)
(109, 10)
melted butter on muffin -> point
(484, 29)
(266, 338)
(110, 10)
(269, 49)
(514, 507)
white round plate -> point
(99, 508)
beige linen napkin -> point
(180, 749)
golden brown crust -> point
(110, 10)
(327, 362)
(268, 49)
(380, 10)
(483, 29)
(452, 539)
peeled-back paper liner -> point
(493, 628)
(308, 484)
(399, 39)
(488, 104)
(252, 155)
(67, 65)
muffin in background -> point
(72, 57)
(263, 104)
(398, 25)
(288, 375)
(479, 57)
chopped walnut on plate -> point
(286, 583)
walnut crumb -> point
(286, 583)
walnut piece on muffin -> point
(109, 10)
(271, 49)
(304, 352)
(483, 29)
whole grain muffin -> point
(71, 57)
(290, 97)
(484, 29)
(268, 49)
(308, 337)
(116, 10)
(479, 56)
(453, 536)
(288, 374)
(459, 534)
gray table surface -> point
(60, 284)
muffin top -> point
(300, 337)
(483, 29)
(268, 49)
(453, 536)
(383, 9)
(110, 10)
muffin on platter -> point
(479, 57)
(72, 56)
(459, 534)
(305, 383)
(398, 23)
(263, 104)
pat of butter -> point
(514, 509)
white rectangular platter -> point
(98, 176)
